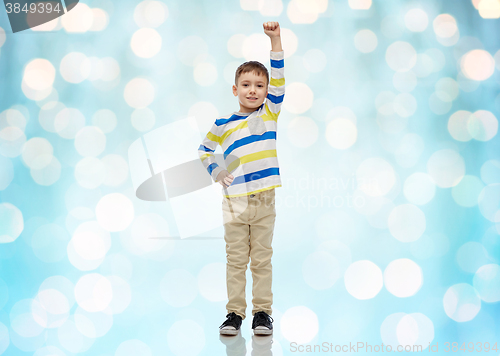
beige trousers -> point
(248, 232)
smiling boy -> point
(248, 140)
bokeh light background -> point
(388, 219)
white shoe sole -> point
(262, 331)
(231, 331)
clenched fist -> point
(225, 178)
(271, 28)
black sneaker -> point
(232, 324)
(262, 323)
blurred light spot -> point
(365, 41)
(423, 248)
(360, 4)
(90, 141)
(489, 9)
(179, 288)
(143, 119)
(487, 282)
(100, 20)
(49, 174)
(12, 117)
(11, 222)
(139, 93)
(321, 270)
(93, 325)
(51, 249)
(205, 74)
(416, 20)
(490, 171)
(299, 324)
(401, 56)
(467, 191)
(461, 302)
(302, 132)
(482, 125)
(148, 232)
(407, 154)
(93, 292)
(404, 81)
(403, 278)
(180, 342)
(314, 60)
(415, 329)
(117, 265)
(7, 169)
(447, 89)
(301, 14)
(2, 37)
(477, 64)
(234, 47)
(458, 125)
(116, 170)
(212, 282)
(39, 74)
(72, 339)
(75, 67)
(389, 328)
(446, 167)
(150, 13)
(68, 122)
(190, 48)
(146, 42)
(104, 119)
(341, 133)
(122, 295)
(49, 351)
(111, 69)
(300, 98)
(90, 172)
(89, 255)
(419, 188)
(47, 115)
(79, 19)
(405, 105)
(275, 7)
(363, 279)
(37, 153)
(375, 176)
(407, 222)
(50, 308)
(22, 320)
(489, 202)
(445, 26)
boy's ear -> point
(235, 90)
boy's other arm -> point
(206, 152)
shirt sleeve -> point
(276, 89)
(207, 149)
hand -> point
(271, 28)
(225, 178)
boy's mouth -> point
(252, 98)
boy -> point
(248, 140)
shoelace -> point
(231, 320)
(262, 317)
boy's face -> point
(251, 91)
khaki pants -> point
(248, 232)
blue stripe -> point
(275, 99)
(212, 167)
(219, 122)
(274, 171)
(277, 63)
(268, 135)
(205, 148)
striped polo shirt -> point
(248, 141)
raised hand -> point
(271, 28)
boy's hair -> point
(251, 66)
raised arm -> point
(276, 89)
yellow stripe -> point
(255, 191)
(239, 127)
(269, 115)
(213, 137)
(203, 157)
(250, 158)
(277, 82)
